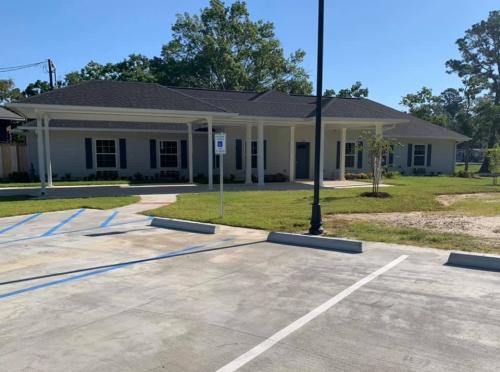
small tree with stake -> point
(377, 147)
(493, 156)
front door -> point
(302, 160)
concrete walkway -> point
(148, 202)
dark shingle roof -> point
(418, 128)
(105, 93)
(9, 115)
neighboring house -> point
(8, 119)
(13, 156)
(119, 129)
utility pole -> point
(316, 223)
(51, 73)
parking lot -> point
(89, 290)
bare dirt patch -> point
(478, 226)
(451, 199)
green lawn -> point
(290, 210)
(18, 205)
(473, 167)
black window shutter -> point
(239, 158)
(88, 153)
(360, 154)
(254, 157)
(265, 154)
(123, 153)
(391, 155)
(184, 155)
(410, 154)
(338, 155)
(152, 153)
(429, 154)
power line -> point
(21, 67)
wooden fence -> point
(13, 158)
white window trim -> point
(116, 153)
(413, 156)
(355, 162)
(159, 153)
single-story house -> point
(122, 129)
(8, 119)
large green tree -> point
(136, 67)
(479, 67)
(8, 91)
(223, 48)
(355, 91)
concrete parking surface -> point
(90, 290)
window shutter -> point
(391, 155)
(88, 153)
(265, 154)
(429, 154)
(152, 153)
(239, 157)
(123, 153)
(410, 154)
(184, 155)
(360, 154)
(338, 155)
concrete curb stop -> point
(474, 261)
(320, 242)
(190, 226)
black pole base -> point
(316, 222)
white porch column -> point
(343, 135)
(378, 130)
(41, 156)
(248, 155)
(48, 162)
(322, 154)
(260, 153)
(292, 154)
(210, 154)
(190, 151)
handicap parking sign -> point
(220, 143)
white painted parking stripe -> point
(280, 335)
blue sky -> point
(394, 47)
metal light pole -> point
(316, 223)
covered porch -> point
(258, 148)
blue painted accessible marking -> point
(99, 271)
(108, 220)
(62, 223)
(22, 222)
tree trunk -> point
(467, 156)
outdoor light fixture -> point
(316, 222)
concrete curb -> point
(474, 261)
(320, 242)
(190, 226)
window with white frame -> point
(105, 151)
(419, 155)
(254, 154)
(169, 154)
(350, 154)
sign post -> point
(220, 149)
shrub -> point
(463, 174)
(19, 177)
(358, 176)
(391, 174)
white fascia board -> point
(77, 129)
(27, 108)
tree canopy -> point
(474, 108)
(220, 48)
(356, 91)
